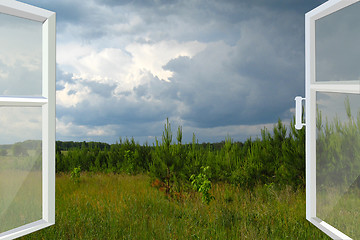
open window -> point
(332, 88)
(27, 119)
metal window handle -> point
(298, 112)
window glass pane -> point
(338, 161)
(20, 56)
(337, 45)
(20, 166)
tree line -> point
(277, 157)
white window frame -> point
(311, 88)
(47, 102)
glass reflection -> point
(20, 166)
(20, 56)
(337, 52)
(338, 161)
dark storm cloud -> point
(249, 83)
(114, 112)
(87, 17)
(249, 72)
(113, 3)
(284, 5)
(160, 20)
(67, 11)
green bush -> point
(75, 175)
(202, 184)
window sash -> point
(47, 102)
(23, 10)
(311, 88)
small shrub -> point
(129, 163)
(202, 184)
(75, 175)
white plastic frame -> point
(47, 102)
(311, 87)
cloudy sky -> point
(214, 67)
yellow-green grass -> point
(108, 206)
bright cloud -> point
(126, 69)
(124, 66)
(153, 57)
(72, 94)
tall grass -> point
(109, 206)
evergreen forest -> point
(277, 157)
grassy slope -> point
(104, 206)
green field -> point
(113, 206)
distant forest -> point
(69, 145)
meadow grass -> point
(108, 206)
